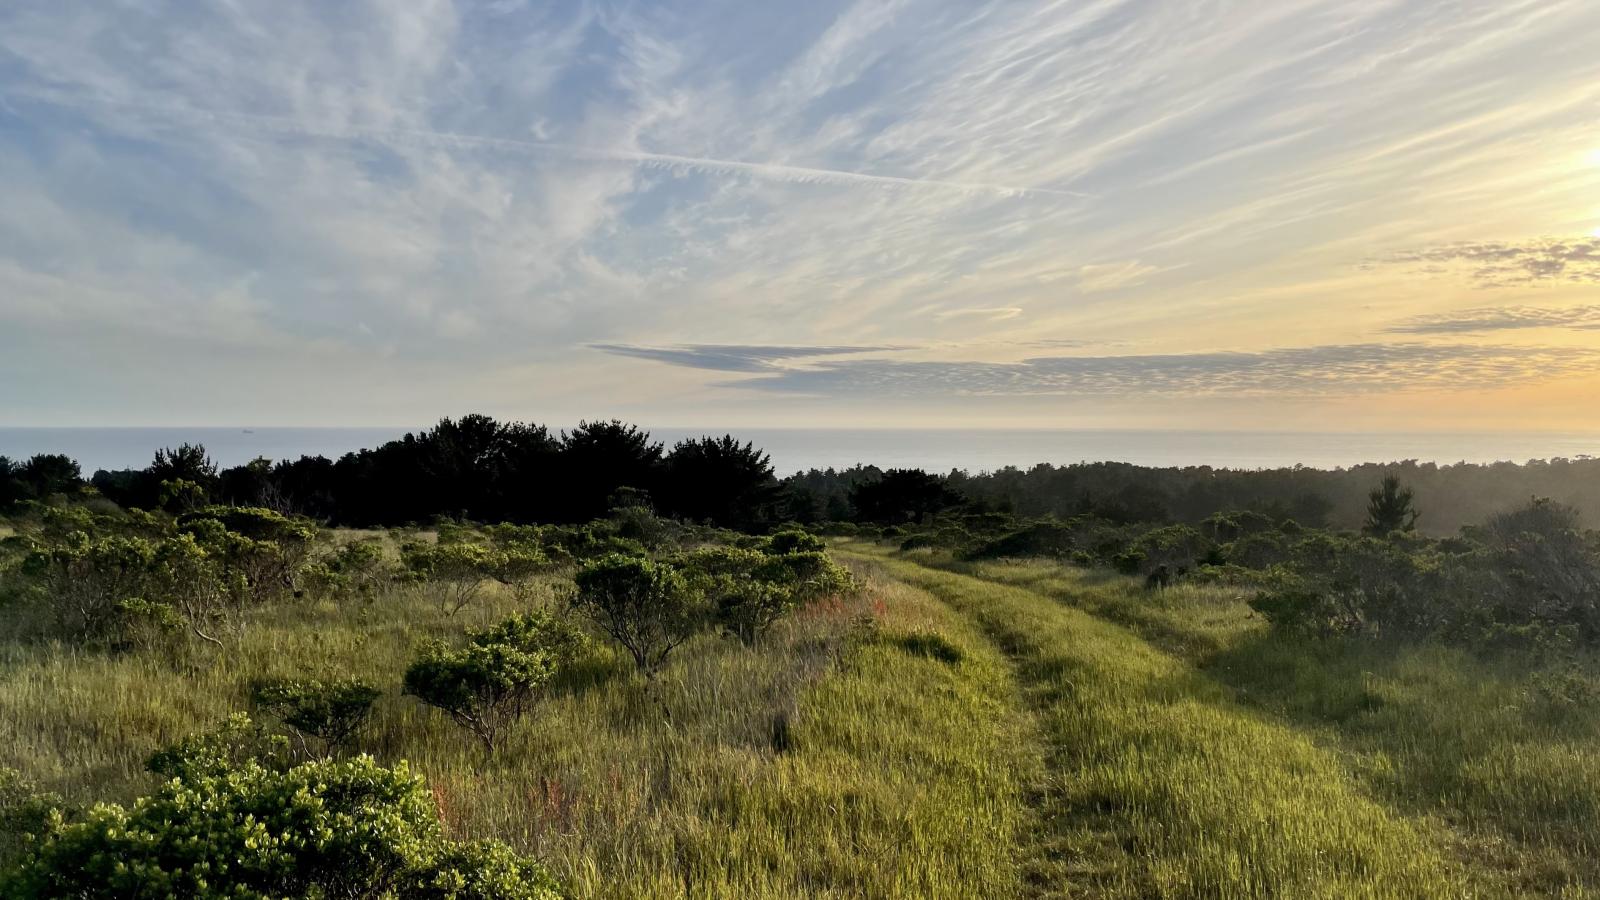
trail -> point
(1160, 785)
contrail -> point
(667, 161)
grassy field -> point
(870, 747)
(952, 730)
(1497, 759)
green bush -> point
(488, 683)
(329, 712)
(354, 570)
(263, 548)
(646, 607)
(84, 584)
(809, 575)
(795, 541)
(249, 832)
(455, 571)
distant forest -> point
(479, 469)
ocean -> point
(937, 450)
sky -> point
(1297, 215)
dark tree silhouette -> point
(186, 462)
(720, 480)
(597, 458)
(902, 495)
(1390, 509)
(50, 473)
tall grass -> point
(1502, 749)
(869, 747)
(1165, 786)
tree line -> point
(479, 469)
(472, 468)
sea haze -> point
(938, 450)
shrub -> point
(487, 684)
(1546, 571)
(456, 571)
(794, 540)
(515, 565)
(188, 580)
(354, 570)
(26, 816)
(84, 583)
(233, 742)
(748, 607)
(331, 712)
(646, 607)
(321, 829)
(809, 576)
(1038, 539)
(267, 550)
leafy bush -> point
(26, 816)
(809, 576)
(516, 565)
(489, 682)
(331, 712)
(795, 541)
(646, 607)
(1055, 539)
(1546, 570)
(262, 548)
(354, 570)
(235, 741)
(321, 829)
(85, 583)
(456, 571)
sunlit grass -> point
(838, 758)
(1165, 786)
(1503, 751)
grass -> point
(954, 730)
(1501, 753)
(1163, 785)
(842, 757)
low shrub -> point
(489, 683)
(320, 829)
(455, 572)
(647, 607)
(328, 712)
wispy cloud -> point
(1112, 276)
(1499, 264)
(1301, 371)
(732, 357)
(991, 314)
(1501, 318)
(487, 190)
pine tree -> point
(1390, 509)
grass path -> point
(1160, 785)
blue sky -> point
(1292, 214)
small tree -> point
(516, 565)
(331, 712)
(456, 571)
(179, 495)
(487, 684)
(647, 607)
(1389, 509)
(188, 579)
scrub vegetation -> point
(919, 694)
